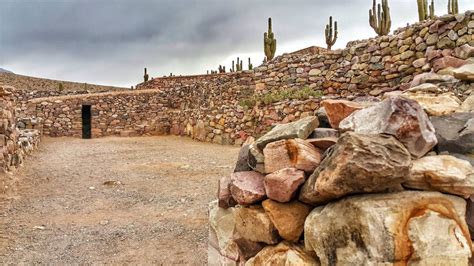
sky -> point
(111, 41)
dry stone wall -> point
(376, 65)
(211, 107)
(15, 143)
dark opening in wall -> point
(86, 122)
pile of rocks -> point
(376, 188)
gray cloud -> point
(110, 41)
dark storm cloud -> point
(110, 41)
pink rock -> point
(337, 110)
(323, 143)
(282, 185)
(247, 188)
(447, 61)
(223, 193)
(432, 54)
(292, 153)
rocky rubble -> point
(383, 191)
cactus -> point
(145, 77)
(60, 87)
(424, 11)
(379, 18)
(269, 42)
(250, 65)
(239, 65)
(330, 33)
(233, 66)
(432, 10)
(453, 7)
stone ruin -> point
(384, 185)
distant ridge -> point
(5, 71)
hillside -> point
(27, 83)
(2, 70)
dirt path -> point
(65, 214)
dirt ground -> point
(114, 201)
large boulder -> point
(254, 224)
(436, 104)
(247, 188)
(226, 247)
(283, 254)
(358, 163)
(288, 218)
(221, 232)
(409, 228)
(337, 110)
(442, 173)
(455, 133)
(397, 116)
(291, 153)
(283, 184)
(300, 129)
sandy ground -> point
(114, 201)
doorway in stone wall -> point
(86, 122)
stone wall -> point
(113, 113)
(212, 107)
(372, 66)
(15, 144)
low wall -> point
(113, 113)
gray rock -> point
(397, 116)
(242, 164)
(455, 133)
(299, 129)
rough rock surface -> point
(221, 232)
(300, 129)
(455, 133)
(403, 118)
(256, 160)
(288, 218)
(468, 104)
(283, 254)
(283, 184)
(358, 163)
(324, 133)
(323, 143)
(242, 164)
(442, 173)
(337, 110)
(223, 193)
(436, 104)
(291, 153)
(465, 72)
(254, 224)
(390, 228)
(247, 187)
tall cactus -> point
(453, 7)
(145, 77)
(424, 11)
(379, 18)
(432, 10)
(269, 42)
(331, 33)
(250, 64)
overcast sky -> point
(110, 41)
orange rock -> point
(337, 110)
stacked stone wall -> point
(210, 107)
